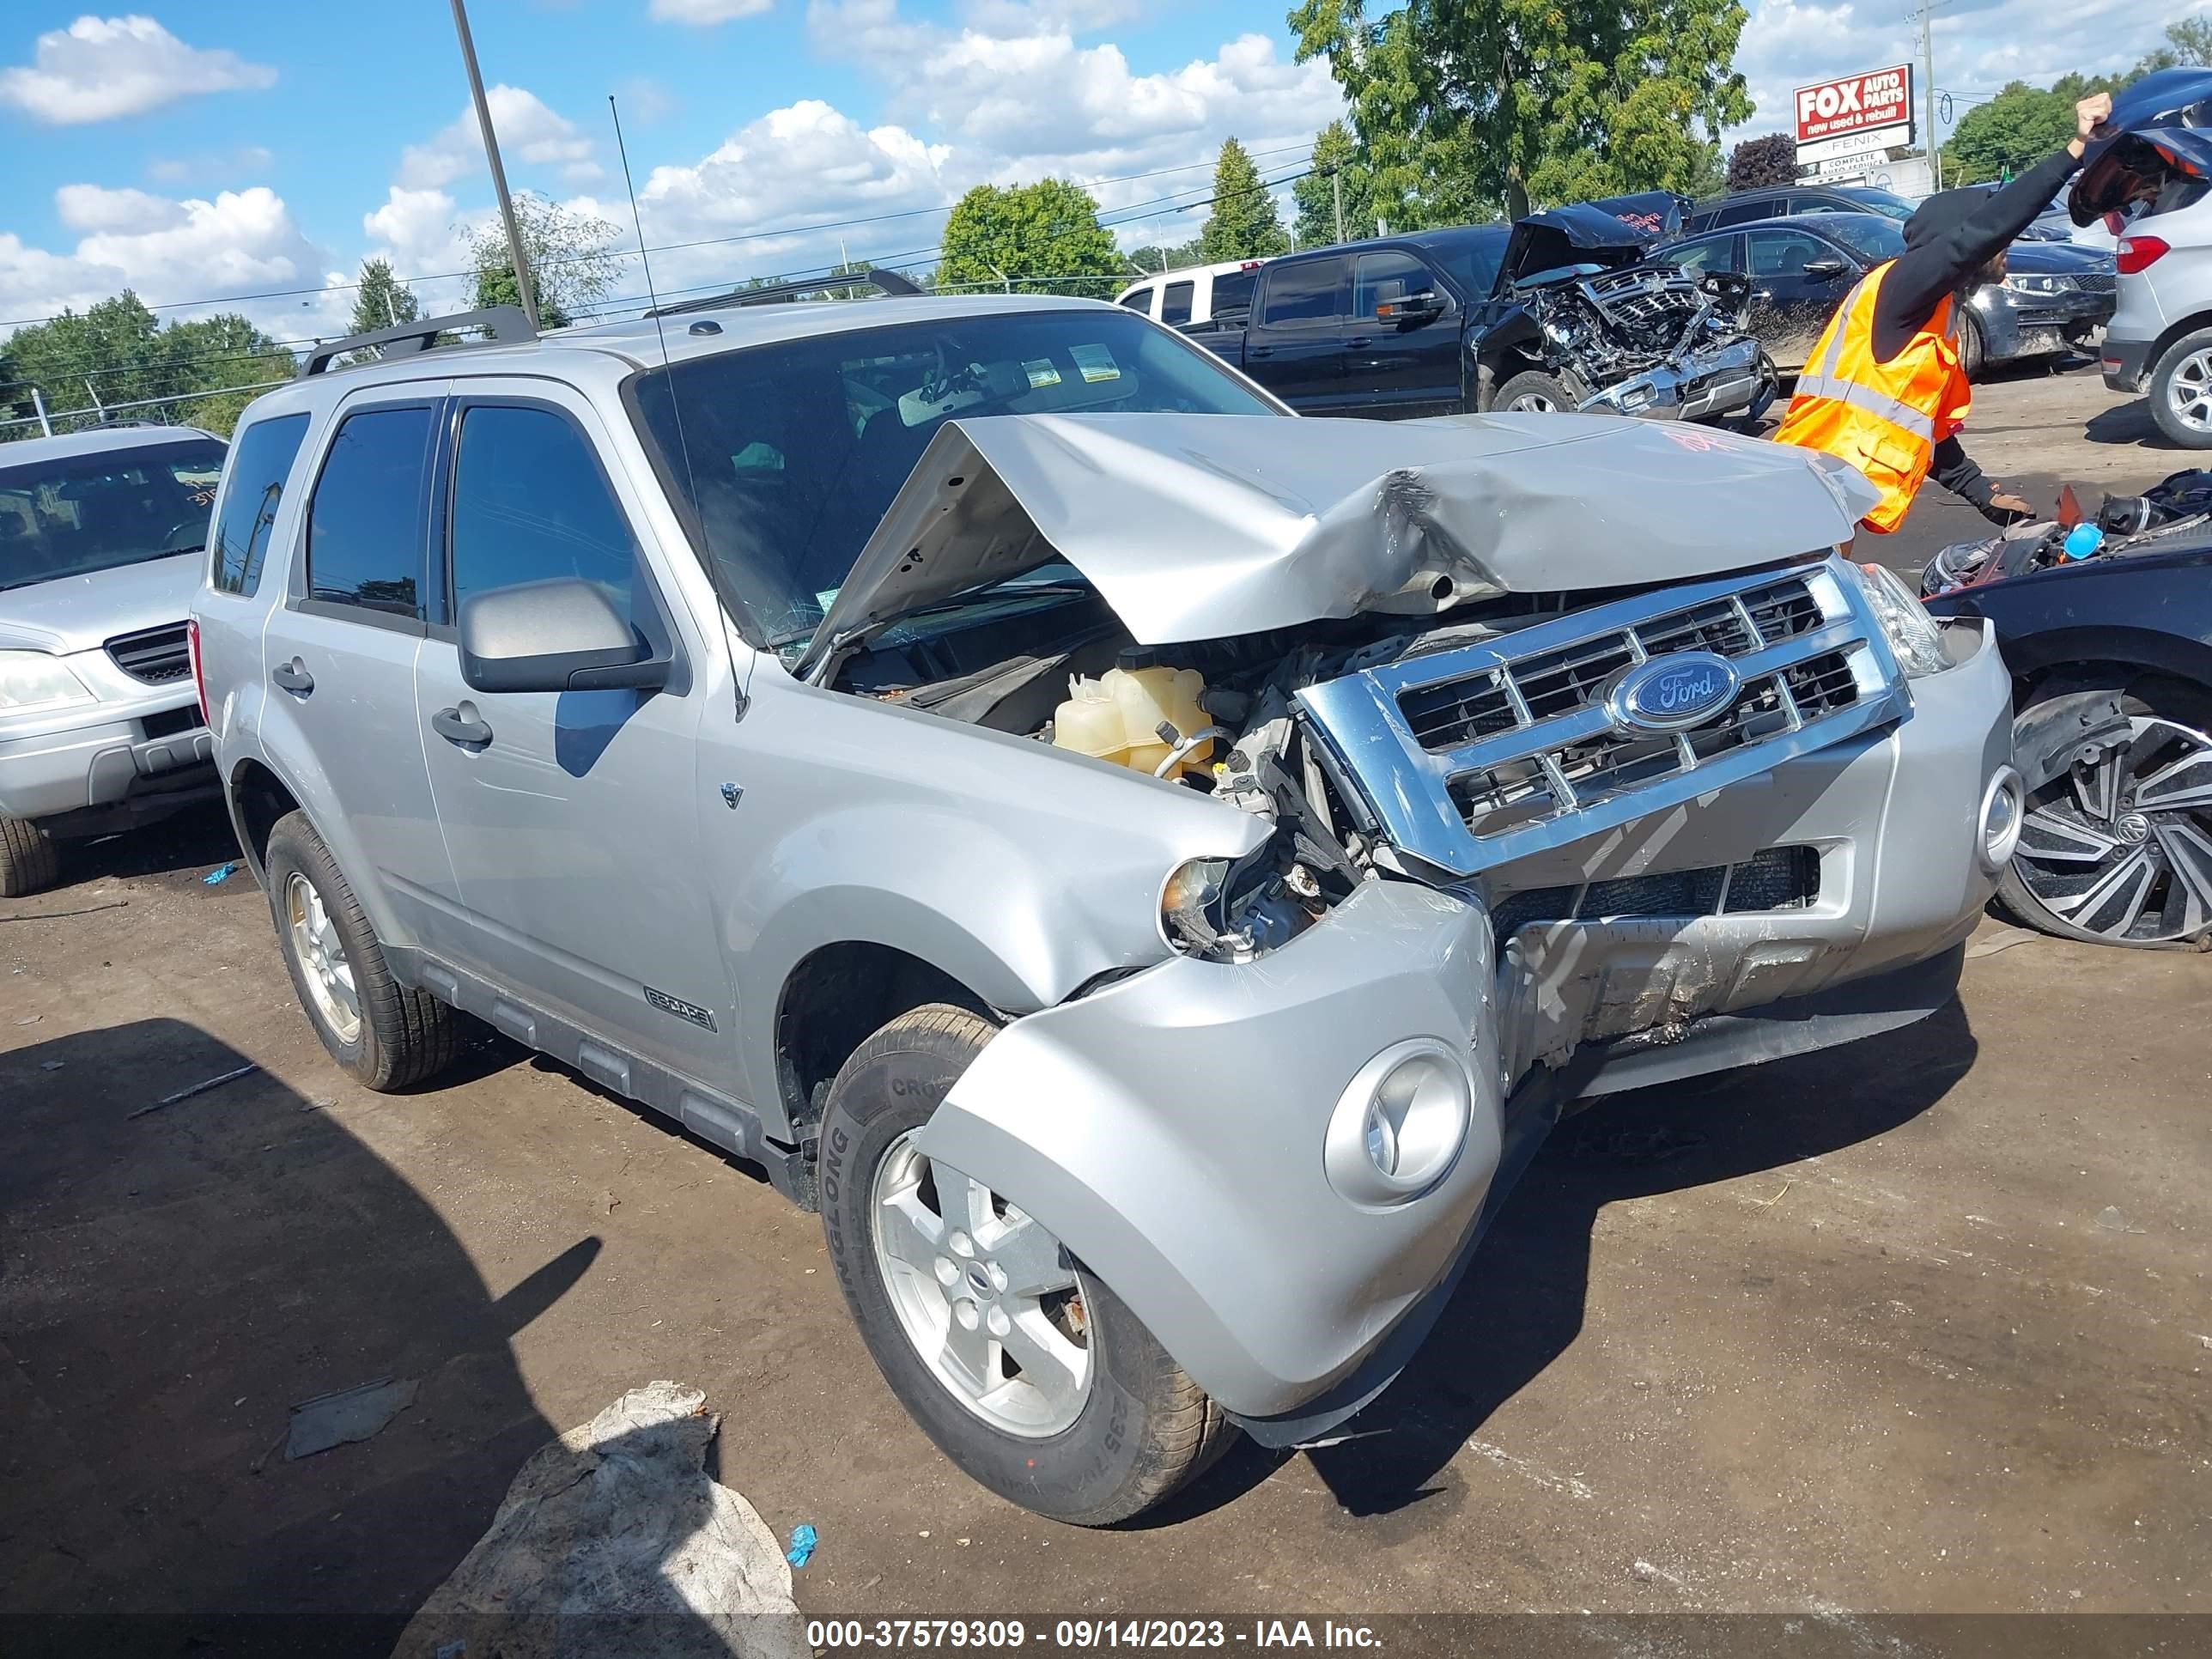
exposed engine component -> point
(1619, 329)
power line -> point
(626, 253)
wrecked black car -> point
(1588, 317)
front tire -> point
(2181, 391)
(385, 1035)
(1973, 346)
(1532, 392)
(28, 860)
(1025, 1369)
(2118, 850)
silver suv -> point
(100, 724)
(1150, 869)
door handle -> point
(293, 676)
(449, 724)
(1259, 351)
(1360, 342)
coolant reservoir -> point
(1118, 716)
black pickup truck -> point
(1563, 310)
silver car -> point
(99, 724)
(1150, 869)
(2159, 339)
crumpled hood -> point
(1582, 235)
(78, 613)
(1203, 526)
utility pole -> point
(1336, 187)
(498, 173)
(1927, 95)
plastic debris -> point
(2082, 541)
(618, 1527)
(348, 1415)
(803, 1541)
(50, 1065)
(220, 874)
(200, 1088)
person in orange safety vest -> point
(1884, 388)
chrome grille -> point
(1469, 757)
(1779, 879)
(156, 655)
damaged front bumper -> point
(1184, 1130)
(1715, 380)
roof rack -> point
(501, 325)
(886, 282)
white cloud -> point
(704, 13)
(98, 69)
(530, 134)
(240, 242)
(645, 100)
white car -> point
(1196, 293)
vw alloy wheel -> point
(2120, 846)
(983, 1292)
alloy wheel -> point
(2120, 845)
(2189, 392)
(987, 1296)
(1532, 403)
(322, 959)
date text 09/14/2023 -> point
(987, 1634)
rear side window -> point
(1138, 299)
(1232, 290)
(1175, 304)
(364, 524)
(1311, 291)
(530, 503)
(260, 459)
(1741, 213)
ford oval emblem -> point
(1673, 692)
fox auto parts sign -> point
(1855, 103)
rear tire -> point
(29, 861)
(1112, 1424)
(385, 1035)
(2181, 391)
(1533, 392)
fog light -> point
(1399, 1124)
(2003, 807)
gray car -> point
(99, 724)
(1150, 869)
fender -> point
(1516, 334)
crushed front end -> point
(1521, 850)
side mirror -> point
(1411, 308)
(557, 635)
(1830, 266)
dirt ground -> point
(1923, 1324)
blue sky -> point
(204, 149)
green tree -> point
(1464, 103)
(1769, 161)
(116, 352)
(2015, 129)
(381, 300)
(1043, 238)
(1339, 167)
(2188, 44)
(1243, 224)
(571, 259)
(1151, 257)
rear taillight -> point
(199, 676)
(2137, 252)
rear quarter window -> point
(261, 459)
(365, 524)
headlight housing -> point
(1912, 634)
(1228, 911)
(33, 679)
(2037, 282)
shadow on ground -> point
(2131, 424)
(194, 840)
(170, 1286)
(1521, 1304)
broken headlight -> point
(1913, 636)
(1233, 911)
